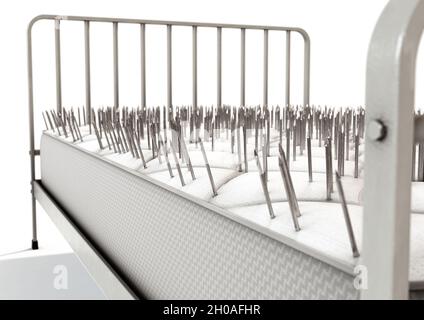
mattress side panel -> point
(172, 248)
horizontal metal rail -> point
(165, 22)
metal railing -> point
(169, 26)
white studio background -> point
(340, 31)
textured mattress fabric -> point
(170, 247)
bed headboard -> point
(169, 25)
(88, 253)
(390, 86)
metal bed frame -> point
(112, 283)
(390, 87)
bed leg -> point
(34, 244)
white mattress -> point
(323, 231)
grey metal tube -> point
(143, 64)
(265, 80)
(169, 66)
(243, 67)
(288, 64)
(34, 244)
(219, 67)
(58, 67)
(306, 70)
(194, 68)
(115, 66)
(87, 72)
(168, 22)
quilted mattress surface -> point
(171, 247)
(181, 243)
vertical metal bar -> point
(143, 65)
(169, 67)
(288, 68)
(388, 148)
(87, 72)
(265, 80)
(195, 70)
(219, 67)
(306, 70)
(115, 66)
(243, 68)
(58, 67)
(34, 243)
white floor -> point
(52, 272)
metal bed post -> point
(389, 122)
(32, 151)
(306, 68)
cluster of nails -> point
(123, 129)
